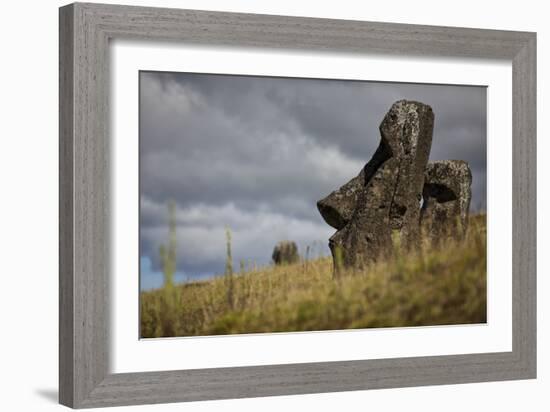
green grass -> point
(433, 286)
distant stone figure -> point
(285, 252)
(385, 197)
(447, 195)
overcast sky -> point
(256, 153)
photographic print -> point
(274, 204)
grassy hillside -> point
(434, 286)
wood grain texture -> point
(524, 225)
(85, 31)
(66, 229)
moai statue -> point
(447, 194)
(285, 252)
(384, 199)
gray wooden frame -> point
(85, 31)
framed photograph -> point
(258, 205)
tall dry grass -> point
(432, 286)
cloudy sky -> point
(256, 153)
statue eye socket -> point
(439, 192)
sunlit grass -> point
(432, 286)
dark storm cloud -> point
(255, 154)
(236, 145)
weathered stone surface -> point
(392, 182)
(338, 207)
(285, 252)
(368, 234)
(447, 194)
(408, 127)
